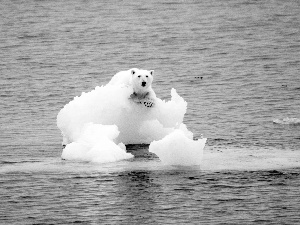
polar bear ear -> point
(152, 72)
(132, 72)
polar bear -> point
(140, 81)
(142, 89)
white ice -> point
(97, 125)
(178, 149)
(287, 121)
(96, 144)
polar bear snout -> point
(144, 83)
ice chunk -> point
(104, 105)
(177, 149)
(96, 144)
(95, 125)
(110, 105)
(287, 121)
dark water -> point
(247, 53)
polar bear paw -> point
(148, 102)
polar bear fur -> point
(122, 77)
(140, 81)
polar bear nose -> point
(144, 83)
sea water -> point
(236, 63)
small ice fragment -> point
(177, 149)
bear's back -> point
(122, 77)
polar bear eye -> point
(146, 75)
(139, 76)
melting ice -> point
(97, 125)
(287, 121)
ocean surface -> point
(235, 62)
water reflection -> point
(138, 191)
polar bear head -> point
(141, 80)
